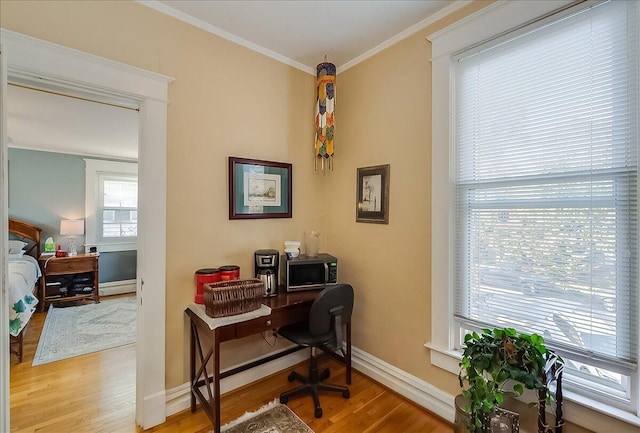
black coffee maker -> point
(266, 270)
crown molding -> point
(161, 7)
(459, 4)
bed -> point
(22, 275)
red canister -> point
(229, 272)
(204, 276)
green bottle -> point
(49, 246)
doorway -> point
(55, 142)
(38, 62)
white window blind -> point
(546, 139)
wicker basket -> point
(228, 298)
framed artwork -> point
(259, 189)
(372, 194)
(502, 421)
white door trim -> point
(50, 65)
(4, 235)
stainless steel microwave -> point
(308, 273)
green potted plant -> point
(502, 362)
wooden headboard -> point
(27, 232)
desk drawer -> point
(260, 324)
(71, 266)
(275, 320)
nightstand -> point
(66, 279)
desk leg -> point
(192, 367)
(348, 360)
(202, 378)
(216, 382)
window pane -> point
(120, 201)
(120, 223)
(111, 230)
(129, 230)
(120, 193)
(108, 215)
(550, 270)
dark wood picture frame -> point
(501, 419)
(372, 194)
(259, 189)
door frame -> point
(50, 65)
(4, 235)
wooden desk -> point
(69, 266)
(286, 308)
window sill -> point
(579, 409)
(113, 247)
(446, 359)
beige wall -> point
(227, 100)
(384, 108)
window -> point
(119, 206)
(111, 205)
(542, 204)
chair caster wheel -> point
(291, 377)
(284, 400)
(346, 394)
(318, 412)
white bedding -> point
(23, 274)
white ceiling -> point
(301, 33)
(44, 121)
(296, 32)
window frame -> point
(103, 178)
(96, 170)
(492, 22)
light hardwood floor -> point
(96, 393)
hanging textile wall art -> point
(325, 120)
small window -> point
(119, 206)
(112, 205)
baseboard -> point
(117, 287)
(152, 411)
(179, 398)
(417, 390)
(413, 388)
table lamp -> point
(72, 228)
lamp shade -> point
(71, 227)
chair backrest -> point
(332, 301)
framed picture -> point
(372, 195)
(502, 421)
(259, 189)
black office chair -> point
(331, 310)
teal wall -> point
(45, 187)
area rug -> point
(77, 330)
(271, 418)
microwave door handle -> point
(326, 273)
